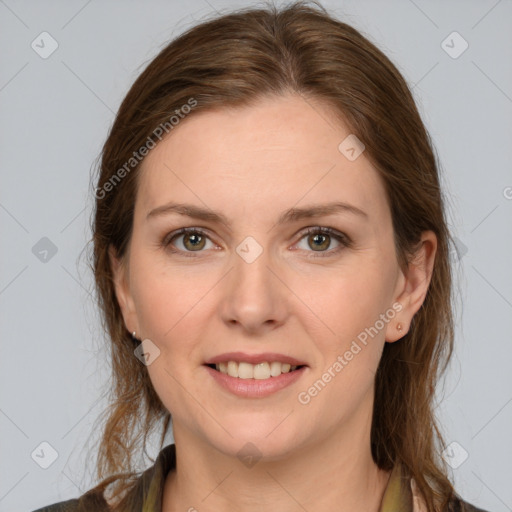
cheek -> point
(349, 341)
(175, 308)
(352, 313)
(348, 300)
(168, 300)
(171, 311)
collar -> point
(400, 495)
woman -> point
(272, 260)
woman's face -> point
(257, 283)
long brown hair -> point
(230, 61)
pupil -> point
(317, 237)
(194, 239)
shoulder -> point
(146, 490)
(85, 503)
(459, 505)
(456, 504)
(63, 506)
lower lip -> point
(255, 388)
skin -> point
(251, 164)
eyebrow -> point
(291, 215)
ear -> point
(412, 286)
(122, 290)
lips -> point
(253, 387)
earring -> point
(399, 327)
(133, 335)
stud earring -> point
(133, 335)
(399, 327)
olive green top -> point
(400, 494)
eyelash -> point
(340, 237)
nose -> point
(255, 297)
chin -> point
(258, 438)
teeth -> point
(233, 368)
(258, 371)
(245, 371)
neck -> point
(334, 473)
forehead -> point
(281, 151)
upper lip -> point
(254, 358)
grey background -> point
(55, 116)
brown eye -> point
(193, 240)
(319, 239)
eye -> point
(194, 240)
(320, 238)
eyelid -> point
(342, 238)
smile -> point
(260, 371)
